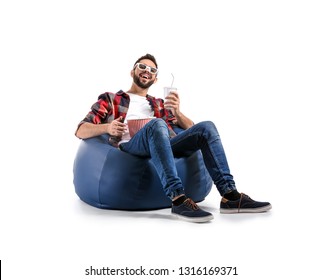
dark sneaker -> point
(243, 205)
(189, 211)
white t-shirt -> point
(139, 108)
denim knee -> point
(208, 128)
(158, 125)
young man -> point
(158, 141)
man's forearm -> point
(183, 121)
(87, 130)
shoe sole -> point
(194, 220)
(246, 210)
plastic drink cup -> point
(167, 91)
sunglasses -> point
(151, 70)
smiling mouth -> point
(145, 76)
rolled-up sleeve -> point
(99, 112)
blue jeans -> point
(153, 141)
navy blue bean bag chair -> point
(108, 178)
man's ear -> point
(132, 73)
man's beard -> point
(140, 84)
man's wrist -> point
(107, 129)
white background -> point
(259, 63)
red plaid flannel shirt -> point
(111, 106)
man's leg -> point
(153, 141)
(204, 136)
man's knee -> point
(208, 126)
(208, 130)
(158, 125)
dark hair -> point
(147, 56)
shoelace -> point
(191, 204)
(239, 206)
(243, 196)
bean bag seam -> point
(100, 177)
(141, 180)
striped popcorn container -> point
(135, 125)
